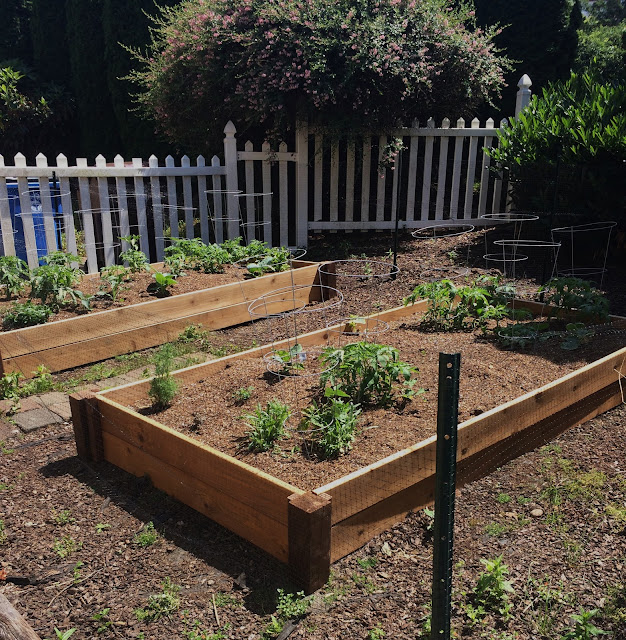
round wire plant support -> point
(255, 215)
(578, 239)
(510, 257)
(362, 282)
(516, 218)
(217, 207)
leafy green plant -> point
(102, 526)
(54, 282)
(64, 635)
(134, 257)
(288, 359)
(289, 607)
(163, 387)
(266, 425)
(462, 308)
(491, 593)
(193, 254)
(103, 620)
(576, 334)
(365, 371)
(40, 383)
(275, 260)
(160, 605)
(112, 280)
(147, 536)
(10, 386)
(584, 629)
(192, 333)
(242, 395)
(237, 251)
(161, 285)
(66, 546)
(332, 425)
(377, 633)
(13, 275)
(25, 314)
(574, 294)
(63, 517)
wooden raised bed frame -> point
(310, 530)
(85, 339)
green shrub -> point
(25, 314)
(13, 275)
(266, 425)
(163, 387)
(193, 254)
(54, 282)
(574, 294)
(112, 280)
(366, 371)
(133, 256)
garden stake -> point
(445, 483)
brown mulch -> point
(206, 410)
(570, 556)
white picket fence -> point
(441, 177)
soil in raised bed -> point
(490, 376)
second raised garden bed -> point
(73, 342)
(311, 528)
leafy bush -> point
(133, 256)
(491, 593)
(195, 255)
(332, 425)
(266, 425)
(579, 124)
(579, 295)
(54, 282)
(161, 285)
(25, 314)
(478, 303)
(274, 260)
(237, 251)
(13, 275)
(366, 371)
(351, 66)
(112, 280)
(163, 387)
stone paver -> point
(36, 419)
(62, 409)
(53, 397)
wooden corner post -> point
(309, 525)
(86, 419)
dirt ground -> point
(77, 550)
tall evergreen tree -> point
(15, 42)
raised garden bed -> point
(76, 341)
(307, 528)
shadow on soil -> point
(253, 571)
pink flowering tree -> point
(345, 65)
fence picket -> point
(26, 215)
(266, 170)
(87, 219)
(47, 207)
(122, 203)
(8, 244)
(350, 171)
(302, 184)
(471, 171)
(382, 180)
(443, 166)
(202, 203)
(484, 173)
(104, 214)
(365, 179)
(142, 214)
(334, 182)
(410, 196)
(496, 206)
(456, 171)
(428, 169)
(188, 199)
(68, 213)
(318, 173)
(157, 210)
(172, 199)
(283, 189)
(249, 172)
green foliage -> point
(266, 425)
(10, 386)
(237, 251)
(66, 546)
(147, 536)
(163, 387)
(477, 304)
(377, 633)
(3, 533)
(242, 395)
(347, 66)
(64, 635)
(288, 360)
(112, 280)
(491, 593)
(161, 285)
(574, 294)
(192, 333)
(103, 620)
(193, 254)
(576, 334)
(365, 371)
(584, 629)
(25, 314)
(579, 123)
(274, 260)
(160, 605)
(332, 425)
(13, 275)
(54, 282)
(62, 518)
(134, 256)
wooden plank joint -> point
(309, 524)
(86, 419)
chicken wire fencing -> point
(258, 400)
